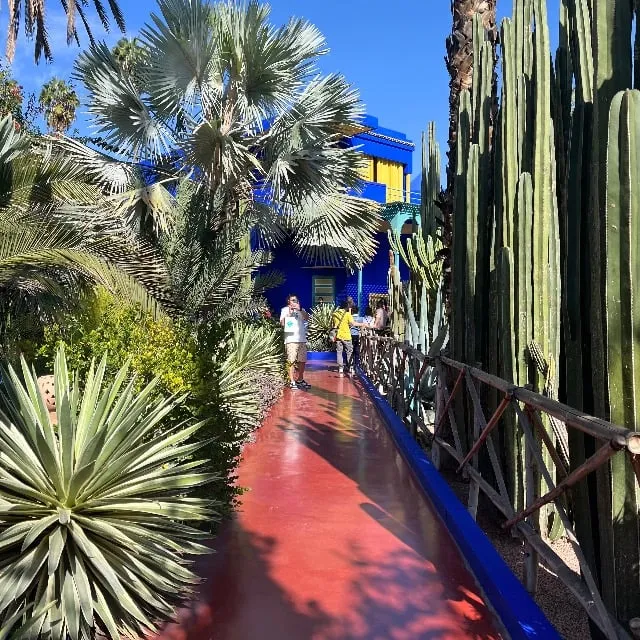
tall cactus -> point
(622, 279)
(420, 252)
(459, 266)
(546, 235)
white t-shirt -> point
(295, 328)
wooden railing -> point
(421, 389)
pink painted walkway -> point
(334, 540)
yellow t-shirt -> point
(342, 320)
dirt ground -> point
(555, 600)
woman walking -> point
(381, 317)
(342, 323)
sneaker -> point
(340, 371)
(304, 384)
(352, 371)
(293, 385)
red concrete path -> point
(334, 540)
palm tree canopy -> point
(35, 24)
(237, 104)
(59, 102)
(57, 229)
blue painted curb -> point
(321, 355)
(520, 615)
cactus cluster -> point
(546, 244)
(417, 315)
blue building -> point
(387, 180)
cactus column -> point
(622, 279)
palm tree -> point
(59, 102)
(460, 61)
(238, 106)
(129, 54)
(59, 232)
(35, 22)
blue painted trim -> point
(520, 615)
(321, 355)
(372, 191)
(382, 148)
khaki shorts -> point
(296, 351)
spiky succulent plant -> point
(320, 323)
(94, 509)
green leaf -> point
(37, 531)
(71, 605)
(83, 585)
(57, 541)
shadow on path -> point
(334, 539)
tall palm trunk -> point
(460, 67)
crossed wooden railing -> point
(421, 389)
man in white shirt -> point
(293, 318)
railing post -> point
(531, 562)
(440, 409)
(474, 487)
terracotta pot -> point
(47, 391)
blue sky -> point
(393, 52)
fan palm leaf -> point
(238, 105)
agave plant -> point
(255, 355)
(320, 323)
(93, 511)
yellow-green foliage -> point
(199, 361)
(231, 371)
(156, 347)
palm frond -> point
(265, 65)
(336, 230)
(120, 113)
(183, 72)
(35, 23)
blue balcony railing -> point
(386, 195)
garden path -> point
(334, 540)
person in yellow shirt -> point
(343, 321)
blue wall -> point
(299, 277)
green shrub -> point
(156, 347)
(94, 511)
(217, 365)
(251, 373)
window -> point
(324, 290)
